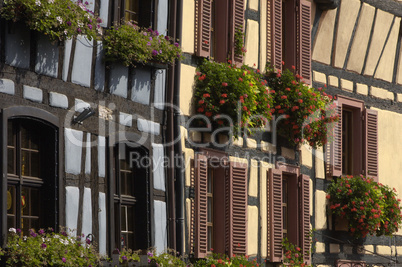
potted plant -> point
(369, 207)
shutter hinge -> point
(363, 118)
(297, 8)
(299, 184)
(192, 192)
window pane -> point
(34, 202)
(10, 161)
(131, 12)
(210, 209)
(24, 137)
(210, 238)
(25, 201)
(35, 164)
(123, 222)
(130, 215)
(130, 184)
(10, 134)
(11, 200)
(24, 163)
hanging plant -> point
(130, 44)
(231, 97)
(368, 206)
(308, 112)
(58, 19)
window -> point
(31, 175)
(289, 36)
(140, 12)
(131, 192)
(353, 150)
(216, 23)
(220, 207)
(288, 210)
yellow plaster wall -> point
(263, 34)
(252, 41)
(186, 88)
(263, 206)
(187, 37)
(320, 210)
(253, 181)
(390, 149)
(252, 230)
(188, 156)
(306, 155)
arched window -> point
(131, 197)
(32, 154)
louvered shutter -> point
(333, 153)
(304, 40)
(238, 19)
(304, 221)
(274, 33)
(201, 170)
(203, 28)
(236, 201)
(371, 144)
(274, 213)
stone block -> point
(381, 93)
(267, 147)
(319, 77)
(80, 105)
(384, 250)
(238, 142)
(251, 143)
(319, 247)
(288, 153)
(347, 249)
(361, 89)
(333, 81)
(126, 119)
(58, 100)
(32, 93)
(148, 126)
(347, 85)
(7, 87)
(334, 248)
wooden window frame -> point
(150, 6)
(24, 112)
(230, 18)
(298, 210)
(364, 138)
(139, 203)
(297, 33)
(230, 205)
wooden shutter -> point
(202, 27)
(274, 213)
(238, 19)
(371, 144)
(333, 153)
(274, 33)
(304, 40)
(201, 170)
(236, 230)
(304, 221)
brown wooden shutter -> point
(274, 33)
(193, 211)
(333, 153)
(203, 27)
(238, 19)
(304, 222)
(201, 170)
(371, 144)
(236, 231)
(274, 213)
(304, 40)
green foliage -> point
(240, 94)
(293, 255)
(368, 206)
(239, 48)
(128, 255)
(218, 260)
(128, 43)
(58, 19)
(309, 112)
(168, 258)
(48, 249)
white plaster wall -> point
(66, 61)
(104, 12)
(160, 226)
(160, 85)
(87, 212)
(101, 156)
(99, 80)
(17, 46)
(82, 65)
(158, 170)
(118, 80)
(102, 223)
(88, 155)
(47, 60)
(162, 16)
(72, 199)
(73, 150)
(142, 86)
